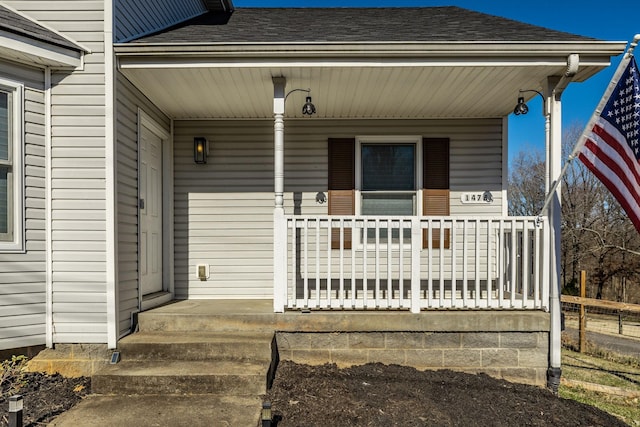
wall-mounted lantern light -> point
(200, 149)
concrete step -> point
(182, 377)
(153, 321)
(237, 346)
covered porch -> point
(445, 243)
(289, 207)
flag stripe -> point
(619, 191)
(616, 141)
(615, 155)
(609, 168)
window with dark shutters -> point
(435, 192)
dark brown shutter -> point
(435, 194)
(341, 184)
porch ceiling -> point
(373, 84)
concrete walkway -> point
(152, 411)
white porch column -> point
(279, 225)
(554, 167)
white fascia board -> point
(364, 49)
(146, 62)
(42, 53)
(596, 54)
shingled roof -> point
(15, 23)
(309, 25)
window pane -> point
(4, 217)
(388, 167)
(387, 204)
(4, 126)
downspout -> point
(111, 279)
(48, 210)
(555, 87)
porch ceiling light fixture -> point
(308, 108)
(521, 107)
(200, 150)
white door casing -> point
(150, 211)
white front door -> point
(150, 212)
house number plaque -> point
(478, 198)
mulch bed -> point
(381, 395)
(45, 397)
(368, 395)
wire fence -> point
(593, 326)
(603, 320)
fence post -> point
(583, 311)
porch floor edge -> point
(258, 315)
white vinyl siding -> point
(224, 209)
(22, 275)
(134, 18)
(129, 99)
(79, 296)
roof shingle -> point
(15, 23)
(315, 25)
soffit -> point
(367, 86)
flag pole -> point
(583, 137)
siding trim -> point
(110, 180)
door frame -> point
(167, 293)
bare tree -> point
(597, 236)
(526, 184)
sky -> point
(615, 20)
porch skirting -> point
(514, 354)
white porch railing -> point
(427, 263)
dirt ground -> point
(380, 395)
(369, 395)
(45, 397)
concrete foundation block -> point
(520, 340)
(388, 357)
(291, 340)
(310, 357)
(499, 358)
(533, 358)
(463, 358)
(425, 358)
(443, 340)
(405, 340)
(332, 340)
(349, 357)
(71, 360)
(481, 340)
(369, 340)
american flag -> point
(611, 147)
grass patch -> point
(611, 371)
